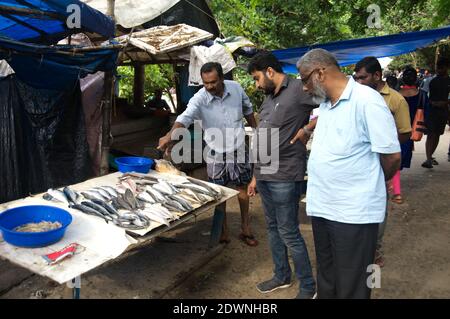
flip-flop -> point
(249, 240)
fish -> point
(174, 206)
(202, 184)
(110, 208)
(130, 184)
(191, 193)
(186, 205)
(146, 197)
(190, 199)
(49, 197)
(110, 190)
(88, 210)
(129, 198)
(145, 182)
(169, 185)
(102, 192)
(156, 217)
(140, 203)
(156, 194)
(70, 194)
(139, 176)
(194, 187)
(163, 188)
(206, 198)
(123, 203)
(58, 195)
(160, 211)
(98, 208)
(92, 194)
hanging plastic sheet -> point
(42, 138)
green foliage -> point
(274, 24)
(156, 77)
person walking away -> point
(439, 111)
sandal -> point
(397, 199)
(249, 240)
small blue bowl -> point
(14, 217)
(134, 164)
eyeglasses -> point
(306, 79)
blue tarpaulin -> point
(351, 51)
(51, 26)
(55, 67)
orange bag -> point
(418, 127)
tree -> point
(274, 24)
(156, 77)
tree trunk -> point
(436, 57)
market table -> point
(98, 241)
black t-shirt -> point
(287, 111)
(439, 88)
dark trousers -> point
(343, 251)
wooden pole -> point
(138, 88)
(107, 107)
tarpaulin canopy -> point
(45, 22)
(351, 51)
(55, 67)
(131, 13)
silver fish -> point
(186, 205)
(102, 192)
(156, 194)
(98, 208)
(88, 210)
(202, 184)
(58, 195)
(110, 190)
(163, 188)
(92, 194)
(146, 197)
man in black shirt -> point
(439, 110)
(157, 102)
(279, 175)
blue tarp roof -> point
(351, 51)
(46, 29)
(55, 67)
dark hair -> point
(370, 63)
(392, 81)
(409, 76)
(209, 66)
(264, 60)
(442, 63)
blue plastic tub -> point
(134, 164)
(14, 217)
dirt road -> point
(417, 254)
